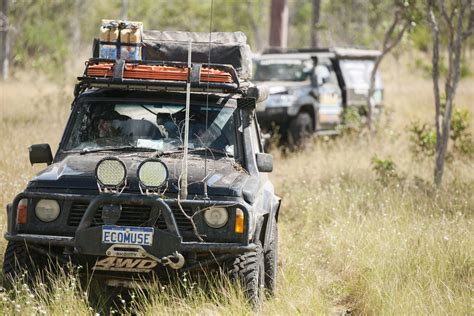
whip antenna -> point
(184, 176)
(207, 98)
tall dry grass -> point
(348, 242)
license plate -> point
(127, 235)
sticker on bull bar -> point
(127, 235)
(125, 264)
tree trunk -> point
(370, 94)
(4, 40)
(314, 23)
(435, 76)
(279, 23)
(388, 44)
(457, 34)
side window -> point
(256, 142)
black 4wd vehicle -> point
(310, 88)
(113, 199)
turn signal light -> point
(22, 211)
(239, 221)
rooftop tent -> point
(226, 48)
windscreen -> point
(158, 126)
(283, 70)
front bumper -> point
(273, 116)
(87, 240)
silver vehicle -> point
(309, 89)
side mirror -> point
(40, 153)
(264, 162)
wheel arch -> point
(312, 110)
(264, 231)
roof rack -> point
(157, 75)
(349, 53)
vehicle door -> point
(329, 95)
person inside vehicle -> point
(106, 123)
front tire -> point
(300, 130)
(271, 261)
(249, 269)
(15, 262)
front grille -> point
(131, 215)
(184, 224)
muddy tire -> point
(271, 261)
(300, 131)
(249, 270)
(16, 262)
(21, 263)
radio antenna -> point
(207, 98)
(183, 194)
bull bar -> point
(157, 204)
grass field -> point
(347, 242)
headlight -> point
(47, 210)
(152, 173)
(216, 217)
(111, 172)
(281, 100)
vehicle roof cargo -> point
(338, 52)
(226, 48)
(356, 53)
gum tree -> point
(456, 19)
(401, 22)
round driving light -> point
(152, 173)
(216, 217)
(47, 210)
(111, 172)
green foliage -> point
(462, 141)
(421, 38)
(299, 23)
(43, 32)
(352, 121)
(363, 24)
(385, 169)
(465, 69)
(40, 33)
(424, 65)
(423, 139)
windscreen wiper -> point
(213, 151)
(88, 150)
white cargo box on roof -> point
(355, 53)
(225, 48)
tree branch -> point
(470, 24)
(435, 70)
(387, 46)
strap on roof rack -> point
(118, 70)
(196, 74)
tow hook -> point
(174, 261)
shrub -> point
(352, 121)
(463, 143)
(385, 169)
(423, 137)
